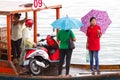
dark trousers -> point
(16, 49)
(68, 54)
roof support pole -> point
(35, 26)
(57, 17)
(9, 36)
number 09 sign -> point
(37, 3)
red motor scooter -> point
(43, 56)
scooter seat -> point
(30, 49)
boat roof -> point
(11, 7)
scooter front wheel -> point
(34, 68)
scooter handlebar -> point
(53, 36)
(42, 40)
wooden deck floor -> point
(77, 74)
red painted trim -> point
(7, 67)
(5, 70)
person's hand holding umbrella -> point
(99, 33)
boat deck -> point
(77, 73)
(82, 72)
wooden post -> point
(9, 36)
(57, 17)
(35, 26)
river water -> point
(110, 41)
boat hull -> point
(113, 76)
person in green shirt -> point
(63, 38)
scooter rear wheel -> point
(34, 68)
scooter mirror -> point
(53, 34)
(38, 35)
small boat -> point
(7, 8)
(9, 72)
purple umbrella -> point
(102, 17)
